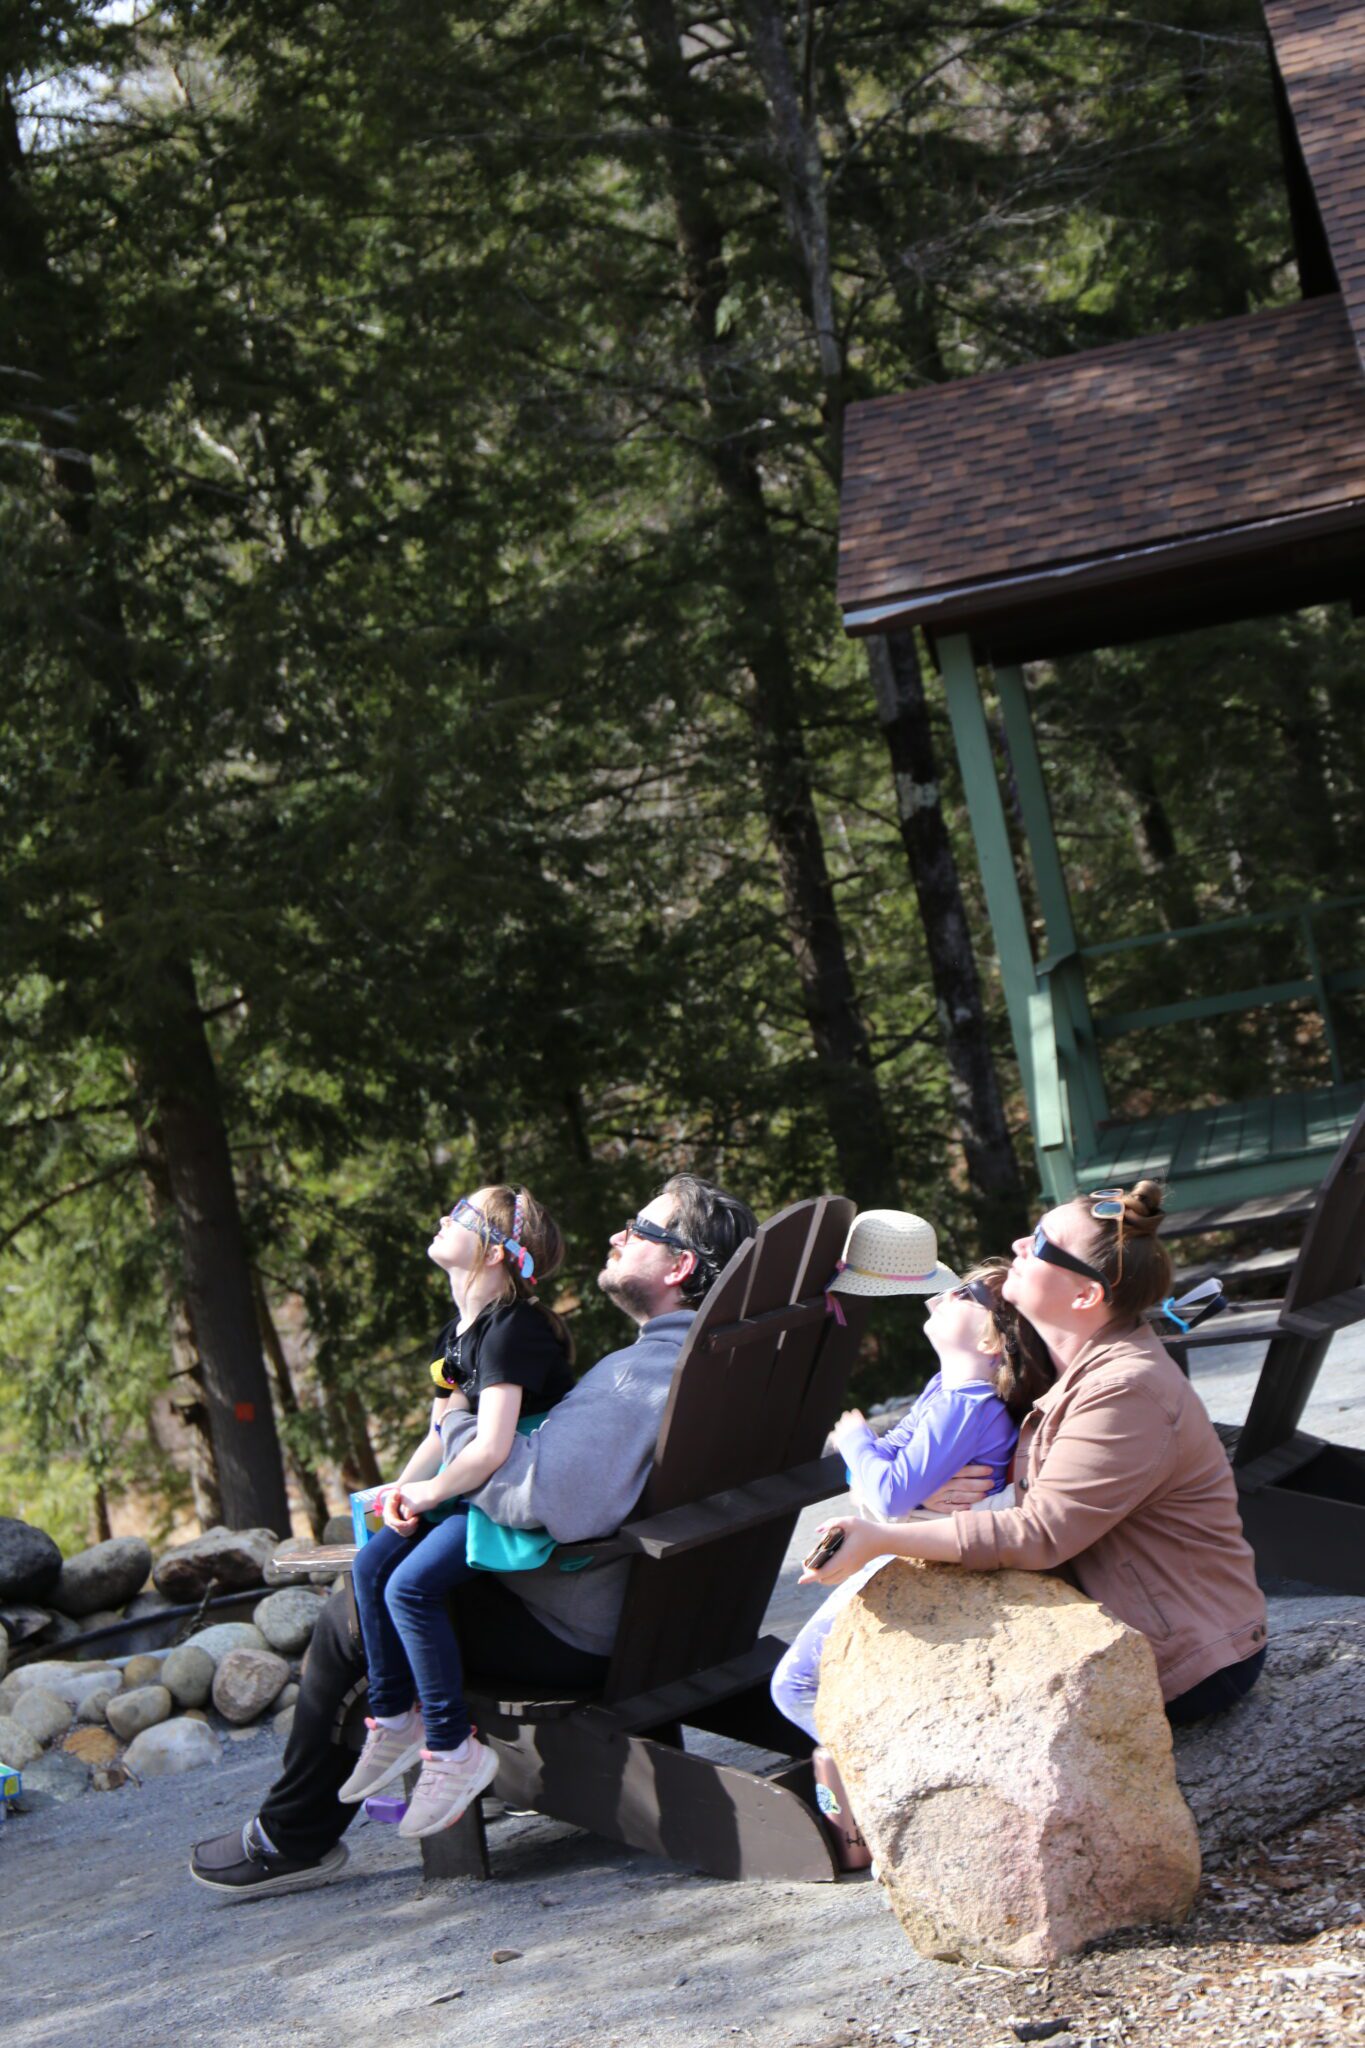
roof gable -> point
(1319, 48)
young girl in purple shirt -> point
(989, 1377)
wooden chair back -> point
(1323, 1295)
(758, 1385)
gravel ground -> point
(105, 1939)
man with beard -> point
(579, 1476)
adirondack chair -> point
(1302, 1498)
(758, 1385)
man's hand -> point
(963, 1490)
(862, 1542)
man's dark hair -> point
(713, 1224)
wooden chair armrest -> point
(1321, 1318)
(719, 1514)
(323, 1557)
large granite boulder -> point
(229, 1557)
(1005, 1750)
(246, 1683)
(105, 1576)
(30, 1562)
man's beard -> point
(626, 1293)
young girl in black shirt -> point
(501, 1359)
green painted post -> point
(1014, 948)
(1088, 1102)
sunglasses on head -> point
(1054, 1255)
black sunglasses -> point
(971, 1290)
(1053, 1255)
(640, 1226)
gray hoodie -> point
(580, 1475)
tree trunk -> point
(176, 1072)
(1295, 1745)
(848, 1086)
(997, 1185)
(306, 1479)
(998, 1195)
(186, 1391)
(171, 1053)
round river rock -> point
(128, 1713)
(30, 1562)
(287, 1619)
(187, 1674)
(246, 1682)
(105, 1576)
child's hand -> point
(417, 1495)
(396, 1516)
(852, 1418)
(862, 1542)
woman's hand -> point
(862, 1542)
(963, 1490)
(396, 1516)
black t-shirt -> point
(511, 1345)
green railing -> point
(1316, 986)
(1062, 1044)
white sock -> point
(453, 1756)
(394, 1721)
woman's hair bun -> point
(1142, 1205)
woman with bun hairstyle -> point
(1120, 1477)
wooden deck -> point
(1230, 1152)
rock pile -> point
(71, 1726)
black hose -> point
(135, 1624)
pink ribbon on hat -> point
(832, 1307)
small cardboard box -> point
(366, 1519)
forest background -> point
(429, 749)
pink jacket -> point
(1121, 1475)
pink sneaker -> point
(446, 1787)
(388, 1752)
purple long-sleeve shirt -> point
(947, 1428)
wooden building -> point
(1181, 481)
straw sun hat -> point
(889, 1251)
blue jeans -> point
(402, 1584)
(796, 1680)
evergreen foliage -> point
(430, 752)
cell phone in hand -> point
(824, 1549)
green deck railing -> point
(1065, 1035)
(1317, 985)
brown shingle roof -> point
(1320, 49)
(1199, 445)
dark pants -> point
(301, 1812)
(402, 1585)
(1217, 1692)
